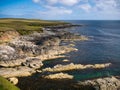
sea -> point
(102, 47)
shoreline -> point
(22, 50)
(23, 56)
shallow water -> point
(103, 47)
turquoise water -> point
(103, 47)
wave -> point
(103, 32)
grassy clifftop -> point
(25, 26)
(6, 85)
(13, 27)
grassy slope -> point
(25, 26)
(6, 85)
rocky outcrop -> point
(63, 26)
(59, 67)
(7, 36)
(10, 57)
(23, 56)
(58, 76)
(56, 51)
(18, 51)
(33, 63)
(7, 53)
(20, 71)
(72, 37)
(109, 83)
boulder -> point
(13, 80)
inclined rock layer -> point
(109, 83)
(59, 67)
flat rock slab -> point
(16, 72)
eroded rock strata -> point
(72, 66)
(23, 56)
(109, 83)
(61, 83)
(58, 76)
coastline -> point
(23, 56)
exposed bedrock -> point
(109, 83)
(63, 26)
(20, 71)
(26, 69)
(23, 56)
(71, 36)
(33, 63)
(10, 58)
(58, 76)
(19, 50)
(61, 83)
(7, 53)
(59, 67)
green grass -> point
(6, 85)
(25, 26)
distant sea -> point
(103, 47)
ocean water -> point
(103, 47)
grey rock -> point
(6, 52)
(33, 63)
(108, 83)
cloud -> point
(100, 8)
(69, 2)
(62, 2)
(85, 7)
(106, 4)
(52, 1)
(51, 10)
(36, 1)
(54, 11)
(107, 7)
(59, 10)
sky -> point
(61, 9)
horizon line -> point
(63, 19)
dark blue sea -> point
(103, 46)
